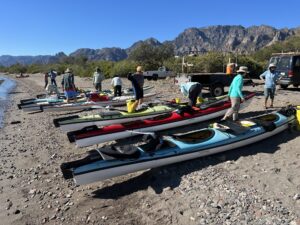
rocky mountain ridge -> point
(212, 38)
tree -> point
(151, 57)
(124, 67)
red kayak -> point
(94, 135)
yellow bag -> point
(130, 104)
(199, 100)
(298, 117)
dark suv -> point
(288, 67)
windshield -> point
(282, 63)
(274, 60)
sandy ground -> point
(257, 184)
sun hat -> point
(243, 69)
(139, 69)
(272, 65)
(68, 70)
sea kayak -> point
(94, 135)
(76, 122)
(35, 104)
(115, 101)
(112, 161)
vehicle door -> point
(284, 64)
(296, 70)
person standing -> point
(52, 76)
(98, 77)
(269, 77)
(46, 78)
(235, 93)
(116, 82)
(191, 90)
(137, 81)
(68, 85)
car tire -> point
(296, 85)
(217, 90)
(155, 76)
(284, 86)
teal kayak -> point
(111, 161)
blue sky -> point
(33, 27)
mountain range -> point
(212, 38)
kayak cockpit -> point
(119, 152)
(195, 137)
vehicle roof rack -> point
(286, 53)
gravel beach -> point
(257, 184)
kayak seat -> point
(153, 143)
(120, 152)
(184, 109)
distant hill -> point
(8, 60)
(212, 38)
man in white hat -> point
(235, 93)
(270, 77)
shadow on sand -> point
(15, 92)
(170, 175)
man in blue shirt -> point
(270, 77)
(191, 90)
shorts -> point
(269, 92)
(98, 86)
(139, 93)
(70, 94)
